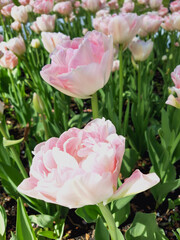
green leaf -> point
(42, 220)
(48, 234)
(129, 160)
(101, 231)
(145, 227)
(177, 233)
(88, 213)
(122, 215)
(8, 143)
(120, 203)
(24, 229)
(162, 189)
(3, 223)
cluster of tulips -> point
(75, 75)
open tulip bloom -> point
(81, 167)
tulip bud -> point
(38, 104)
(35, 43)
(164, 58)
(140, 49)
(171, 56)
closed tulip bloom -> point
(19, 14)
(151, 23)
(82, 66)
(155, 4)
(43, 6)
(140, 49)
(35, 43)
(93, 5)
(64, 8)
(124, 27)
(6, 10)
(81, 167)
(127, 7)
(8, 60)
(46, 23)
(16, 26)
(162, 11)
(175, 6)
(175, 17)
(51, 40)
(172, 100)
(17, 45)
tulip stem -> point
(109, 220)
(14, 152)
(45, 126)
(139, 84)
(120, 85)
(94, 104)
(13, 85)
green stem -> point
(13, 85)
(139, 84)
(109, 220)
(45, 126)
(94, 104)
(120, 85)
(4, 28)
(14, 152)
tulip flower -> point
(81, 167)
(82, 66)
(35, 43)
(151, 23)
(64, 8)
(155, 4)
(16, 26)
(140, 49)
(175, 6)
(51, 40)
(43, 6)
(172, 100)
(17, 45)
(6, 10)
(46, 23)
(175, 17)
(93, 5)
(19, 14)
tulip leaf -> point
(145, 227)
(8, 143)
(43, 220)
(48, 234)
(24, 229)
(88, 213)
(101, 231)
(3, 223)
(129, 160)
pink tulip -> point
(140, 49)
(6, 10)
(64, 8)
(34, 27)
(51, 40)
(7, 59)
(16, 26)
(43, 6)
(175, 6)
(113, 4)
(93, 5)
(143, 1)
(124, 27)
(127, 7)
(172, 100)
(167, 23)
(19, 14)
(81, 167)
(151, 23)
(17, 45)
(162, 11)
(155, 4)
(46, 23)
(175, 17)
(82, 66)
(24, 2)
